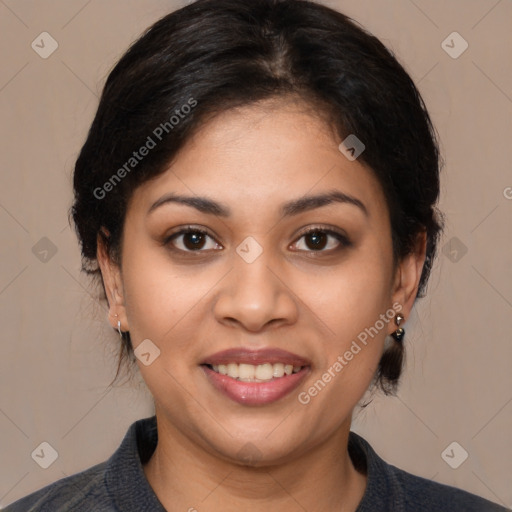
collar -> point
(125, 478)
(131, 492)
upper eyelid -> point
(192, 228)
(324, 229)
(186, 230)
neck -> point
(184, 476)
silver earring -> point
(119, 326)
(398, 335)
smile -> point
(255, 377)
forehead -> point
(262, 155)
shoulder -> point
(116, 484)
(76, 492)
(395, 490)
(421, 494)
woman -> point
(257, 196)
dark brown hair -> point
(214, 55)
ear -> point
(113, 282)
(408, 274)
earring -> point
(398, 335)
(119, 327)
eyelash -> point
(342, 239)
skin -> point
(192, 305)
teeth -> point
(264, 371)
(246, 371)
(232, 370)
(256, 373)
(278, 370)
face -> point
(250, 261)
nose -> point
(255, 296)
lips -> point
(255, 393)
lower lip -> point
(255, 393)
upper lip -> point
(255, 357)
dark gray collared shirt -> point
(119, 484)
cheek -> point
(353, 344)
(350, 302)
(352, 296)
(157, 295)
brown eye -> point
(322, 240)
(316, 240)
(192, 240)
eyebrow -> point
(294, 207)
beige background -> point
(57, 348)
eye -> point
(192, 240)
(316, 239)
(322, 240)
